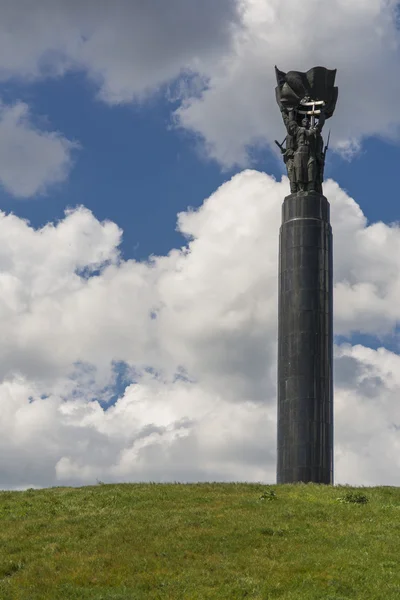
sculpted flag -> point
(317, 84)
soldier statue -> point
(304, 154)
(306, 100)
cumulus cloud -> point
(196, 331)
(366, 287)
(359, 38)
(128, 47)
(367, 415)
(31, 160)
(223, 54)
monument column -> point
(305, 342)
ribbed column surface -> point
(305, 343)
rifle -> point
(322, 166)
(327, 145)
(282, 149)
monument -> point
(305, 336)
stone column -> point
(305, 344)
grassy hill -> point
(203, 541)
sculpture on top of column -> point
(306, 100)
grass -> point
(198, 542)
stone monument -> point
(305, 338)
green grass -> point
(205, 541)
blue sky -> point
(137, 168)
(133, 166)
(117, 115)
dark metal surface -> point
(318, 83)
(304, 154)
(305, 344)
(306, 100)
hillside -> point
(203, 541)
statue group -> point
(304, 154)
(306, 100)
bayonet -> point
(327, 144)
(280, 146)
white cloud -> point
(366, 269)
(358, 37)
(31, 160)
(367, 415)
(129, 49)
(198, 330)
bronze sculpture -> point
(306, 100)
(305, 314)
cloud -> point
(127, 47)
(366, 287)
(31, 160)
(196, 331)
(359, 38)
(367, 388)
(219, 59)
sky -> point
(140, 197)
